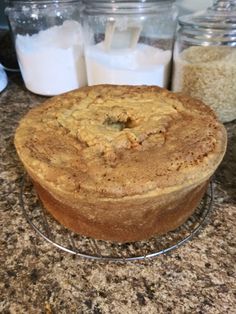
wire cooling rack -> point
(68, 241)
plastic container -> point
(205, 58)
(129, 42)
(49, 44)
(3, 79)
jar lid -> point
(222, 15)
(39, 1)
(125, 1)
(119, 6)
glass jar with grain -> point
(205, 58)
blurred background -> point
(3, 20)
(185, 7)
(7, 52)
(190, 6)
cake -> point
(120, 163)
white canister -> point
(49, 44)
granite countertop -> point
(35, 277)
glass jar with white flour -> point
(129, 42)
(49, 44)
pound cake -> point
(121, 163)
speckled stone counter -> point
(199, 277)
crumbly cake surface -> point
(120, 142)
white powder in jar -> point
(208, 73)
(52, 61)
(142, 65)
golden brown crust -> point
(71, 145)
(119, 147)
(139, 222)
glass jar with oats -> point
(205, 58)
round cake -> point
(121, 163)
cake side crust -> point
(156, 220)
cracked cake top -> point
(120, 141)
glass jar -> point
(205, 58)
(129, 42)
(49, 44)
